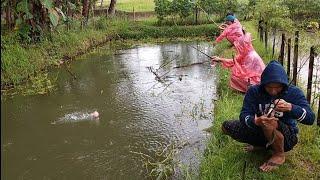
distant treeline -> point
(277, 13)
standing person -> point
(258, 129)
(246, 66)
(232, 30)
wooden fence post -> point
(261, 30)
(134, 14)
(266, 36)
(196, 14)
(289, 57)
(295, 58)
(101, 3)
(318, 119)
(281, 56)
(310, 74)
(274, 42)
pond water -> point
(54, 137)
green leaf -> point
(24, 8)
(18, 21)
(47, 3)
(54, 17)
(64, 18)
(72, 6)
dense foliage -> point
(186, 8)
(277, 13)
(34, 18)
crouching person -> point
(269, 116)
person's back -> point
(243, 45)
(250, 62)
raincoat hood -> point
(274, 73)
(230, 18)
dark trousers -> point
(242, 133)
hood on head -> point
(274, 73)
(230, 18)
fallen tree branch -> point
(155, 73)
(187, 65)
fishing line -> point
(200, 51)
(208, 16)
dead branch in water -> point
(151, 69)
(165, 64)
(165, 88)
(187, 65)
(69, 71)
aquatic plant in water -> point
(162, 166)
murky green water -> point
(51, 136)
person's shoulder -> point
(294, 90)
(254, 89)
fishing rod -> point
(197, 62)
(200, 51)
(204, 53)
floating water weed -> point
(162, 166)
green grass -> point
(224, 157)
(128, 5)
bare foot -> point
(273, 163)
(250, 148)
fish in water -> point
(77, 117)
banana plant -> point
(36, 16)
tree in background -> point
(274, 13)
(162, 9)
(112, 9)
(219, 7)
(33, 17)
(303, 12)
(183, 8)
(8, 5)
(85, 10)
(247, 10)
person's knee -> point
(290, 142)
(224, 128)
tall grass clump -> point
(17, 61)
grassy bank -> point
(22, 62)
(129, 5)
(224, 157)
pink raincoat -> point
(232, 32)
(247, 66)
